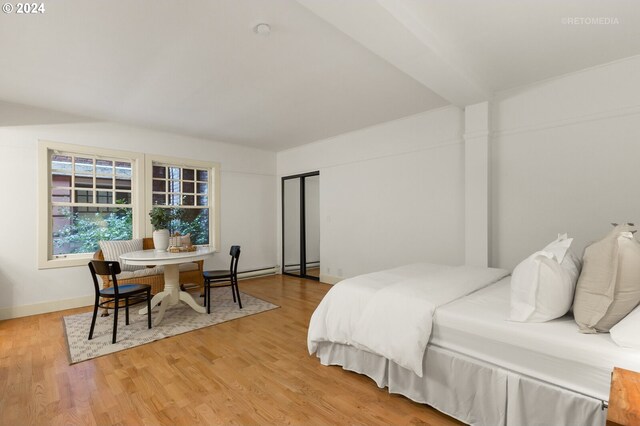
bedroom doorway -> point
(301, 225)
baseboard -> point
(330, 279)
(45, 307)
(79, 302)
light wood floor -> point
(254, 370)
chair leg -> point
(238, 292)
(93, 319)
(207, 295)
(204, 292)
(149, 308)
(126, 303)
(233, 291)
(115, 320)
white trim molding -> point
(45, 257)
(45, 307)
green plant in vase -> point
(161, 221)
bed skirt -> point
(471, 390)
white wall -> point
(248, 210)
(390, 194)
(565, 159)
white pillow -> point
(626, 333)
(111, 250)
(543, 284)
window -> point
(185, 188)
(90, 201)
(91, 195)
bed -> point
(480, 368)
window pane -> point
(123, 169)
(61, 180)
(159, 200)
(84, 181)
(78, 229)
(61, 163)
(194, 222)
(174, 172)
(187, 200)
(159, 172)
(203, 175)
(123, 183)
(104, 197)
(188, 187)
(174, 186)
(188, 174)
(202, 200)
(104, 167)
(159, 185)
(104, 183)
(174, 199)
(84, 165)
(84, 196)
(60, 195)
(123, 198)
(202, 188)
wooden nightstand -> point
(624, 398)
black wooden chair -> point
(218, 278)
(131, 294)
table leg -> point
(171, 294)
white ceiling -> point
(508, 43)
(197, 68)
(328, 67)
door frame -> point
(303, 239)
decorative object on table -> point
(160, 220)
(130, 294)
(180, 243)
(178, 240)
(219, 277)
(178, 320)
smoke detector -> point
(262, 29)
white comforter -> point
(390, 312)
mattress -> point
(553, 352)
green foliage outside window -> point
(82, 230)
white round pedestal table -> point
(171, 294)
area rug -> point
(177, 319)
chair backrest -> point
(235, 255)
(104, 267)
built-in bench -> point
(190, 273)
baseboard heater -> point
(272, 270)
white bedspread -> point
(390, 312)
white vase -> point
(161, 239)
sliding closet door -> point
(312, 225)
(291, 231)
(301, 225)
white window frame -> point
(213, 192)
(45, 221)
